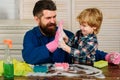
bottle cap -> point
(8, 42)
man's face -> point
(47, 22)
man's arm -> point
(33, 53)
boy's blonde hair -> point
(92, 16)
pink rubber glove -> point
(60, 30)
(62, 35)
(113, 57)
(52, 46)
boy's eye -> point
(83, 25)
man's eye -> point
(54, 17)
(48, 18)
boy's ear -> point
(36, 19)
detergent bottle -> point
(7, 62)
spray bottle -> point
(8, 64)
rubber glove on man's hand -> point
(52, 46)
(62, 36)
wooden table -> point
(111, 72)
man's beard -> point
(48, 31)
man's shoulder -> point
(34, 29)
(69, 33)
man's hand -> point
(52, 46)
(62, 36)
(65, 37)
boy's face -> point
(86, 29)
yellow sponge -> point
(100, 64)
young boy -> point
(84, 44)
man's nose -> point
(52, 20)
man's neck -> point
(42, 32)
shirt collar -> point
(38, 32)
(88, 36)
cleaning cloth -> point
(100, 64)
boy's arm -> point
(87, 47)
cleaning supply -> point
(40, 68)
(113, 57)
(21, 68)
(61, 66)
(7, 63)
(100, 64)
(1, 68)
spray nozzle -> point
(8, 42)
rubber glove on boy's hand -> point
(113, 57)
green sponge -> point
(100, 64)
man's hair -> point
(43, 5)
(92, 16)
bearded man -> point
(40, 45)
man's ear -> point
(36, 19)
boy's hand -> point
(62, 44)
